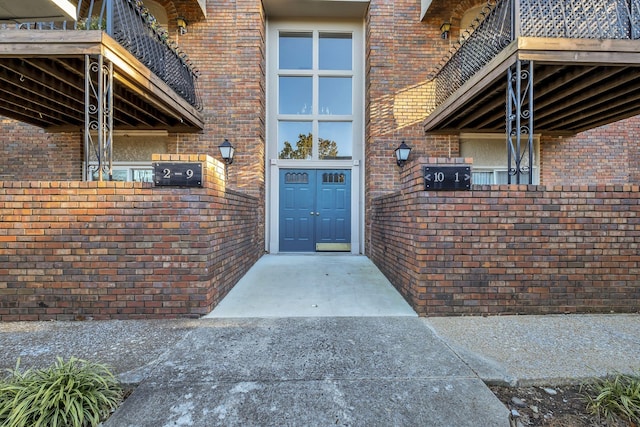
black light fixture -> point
(182, 25)
(402, 154)
(226, 151)
(444, 29)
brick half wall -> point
(509, 249)
(122, 250)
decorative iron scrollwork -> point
(520, 122)
(98, 130)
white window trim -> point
(503, 167)
(127, 166)
(357, 73)
(273, 163)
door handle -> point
(312, 213)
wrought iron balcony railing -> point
(133, 27)
(502, 21)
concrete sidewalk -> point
(322, 341)
(367, 371)
(318, 371)
(544, 350)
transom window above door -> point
(315, 95)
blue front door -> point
(315, 210)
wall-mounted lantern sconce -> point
(444, 30)
(226, 151)
(402, 154)
(182, 25)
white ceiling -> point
(36, 10)
(316, 8)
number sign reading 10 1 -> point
(447, 177)
(178, 174)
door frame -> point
(273, 214)
(316, 187)
(273, 164)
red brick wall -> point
(400, 53)
(510, 249)
(71, 250)
(228, 48)
(27, 152)
(608, 154)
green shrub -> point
(75, 393)
(616, 396)
(93, 23)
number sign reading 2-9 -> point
(178, 174)
(447, 177)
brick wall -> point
(27, 152)
(400, 53)
(606, 154)
(228, 48)
(72, 250)
(510, 249)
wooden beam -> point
(151, 100)
(597, 107)
(19, 98)
(22, 117)
(494, 114)
(49, 43)
(29, 89)
(476, 106)
(127, 112)
(28, 71)
(496, 69)
(605, 90)
(608, 119)
(134, 74)
(560, 87)
(564, 45)
(489, 109)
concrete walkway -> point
(323, 371)
(313, 286)
(326, 370)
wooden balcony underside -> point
(579, 84)
(42, 82)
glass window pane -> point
(335, 95)
(502, 177)
(118, 175)
(295, 95)
(482, 177)
(336, 140)
(295, 51)
(335, 51)
(142, 175)
(295, 140)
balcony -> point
(112, 68)
(562, 67)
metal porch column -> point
(520, 122)
(98, 123)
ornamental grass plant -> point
(75, 393)
(617, 396)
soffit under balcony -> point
(578, 84)
(42, 82)
(315, 8)
(17, 11)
